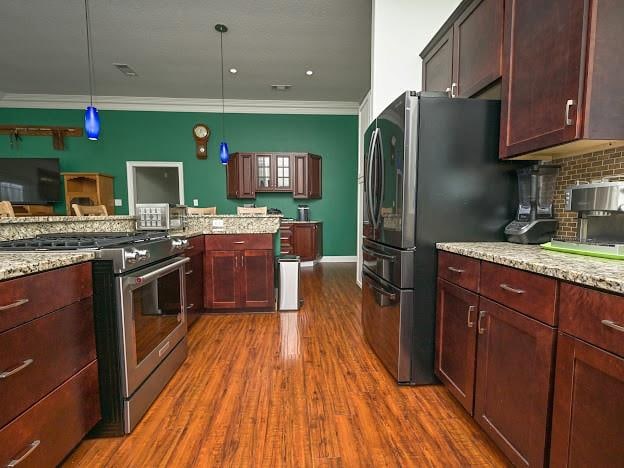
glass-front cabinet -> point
(282, 163)
(273, 172)
(264, 168)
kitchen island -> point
(530, 342)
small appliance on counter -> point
(303, 213)
(160, 216)
(535, 222)
(600, 228)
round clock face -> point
(200, 131)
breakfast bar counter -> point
(15, 264)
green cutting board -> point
(579, 251)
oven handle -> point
(152, 275)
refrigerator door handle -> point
(382, 174)
(370, 178)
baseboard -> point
(339, 259)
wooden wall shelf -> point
(58, 134)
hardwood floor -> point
(294, 389)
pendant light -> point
(224, 151)
(92, 118)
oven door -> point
(387, 321)
(153, 314)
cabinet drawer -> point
(463, 271)
(26, 298)
(195, 245)
(593, 316)
(529, 293)
(239, 242)
(55, 425)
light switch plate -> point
(118, 202)
(195, 202)
(217, 223)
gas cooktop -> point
(80, 241)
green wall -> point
(167, 136)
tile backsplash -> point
(587, 167)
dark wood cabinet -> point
(560, 89)
(241, 181)
(194, 279)
(249, 173)
(513, 385)
(456, 341)
(239, 272)
(588, 406)
(302, 239)
(465, 56)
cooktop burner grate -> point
(77, 241)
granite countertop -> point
(63, 219)
(294, 221)
(14, 264)
(590, 271)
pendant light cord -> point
(89, 54)
(222, 91)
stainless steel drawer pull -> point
(190, 306)
(14, 304)
(238, 242)
(612, 324)
(456, 270)
(506, 287)
(188, 272)
(482, 314)
(379, 254)
(390, 295)
(471, 309)
(21, 367)
(31, 448)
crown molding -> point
(158, 104)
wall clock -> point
(201, 133)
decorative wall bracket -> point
(58, 134)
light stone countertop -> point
(589, 271)
(14, 264)
(63, 219)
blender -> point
(535, 222)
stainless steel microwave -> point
(160, 216)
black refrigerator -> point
(431, 174)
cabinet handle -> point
(612, 324)
(188, 272)
(482, 314)
(22, 366)
(453, 90)
(471, 309)
(190, 306)
(14, 304)
(31, 448)
(456, 270)
(238, 242)
(569, 104)
(506, 287)
(190, 247)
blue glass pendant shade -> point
(92, 123)
(224, 153)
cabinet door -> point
(264, 172)
(544, 44)
(588, 408)
(512, 396)
(283, 172)
(304, 241)
(221, 289)
(300, 174)
(437, 67)
(257, 279)
(456, 341)
(478, 36)
(194, 287)
(246, 176)
(315, 177)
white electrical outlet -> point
(118, 202)
(217, 223)
(195, 202)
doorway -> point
(154, 182)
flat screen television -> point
(30, 181)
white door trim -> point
(131, 165)
(364, 119)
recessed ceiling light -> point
(309, 72)
(125, 69)
(233, 71)
(281, 87)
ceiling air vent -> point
(281, 87)
(125, 69)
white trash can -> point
(289, 295)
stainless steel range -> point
(140, 316)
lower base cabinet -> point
(239, 272)
(514, 380)
(302, 239)
(194, 279)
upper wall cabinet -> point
(249, 173)
(465, 56)
(561, 89)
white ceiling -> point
(174, 48)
